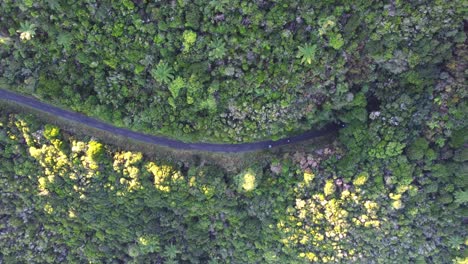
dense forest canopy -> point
(76, 200)
(222, 70)
(389, 187)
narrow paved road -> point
(162, 141)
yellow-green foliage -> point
(361, 179)
(164, 176)
(95, 150)
(149, 209)
(363, 198)
(127, 164)
(329, 187)
(323, 223)
(308, 177)
(247, 180)
(51, 132)
(189, 39)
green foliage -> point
(218, 49)
(65, 39)
(418, 149)
(162, 73)
(390, 189)
(461, 155)
(336, 41)
(171, 252)
(193, 17)
(307, 53)
(209, 104)
(326, 24)
(459, 138)
(120, 58)
(176, 85)
(298, 207)
(128, 4)
(461, 197)
(218, 5)
(48, 87)
(189, 39)
(387, 149)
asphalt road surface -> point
(162, 141)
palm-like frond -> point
(27, 30)
(461, 197)
(218, 5)
(65, 39)
(218, 49)
(162, 73)
(307, 53)
(171, 252)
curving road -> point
(162, 141)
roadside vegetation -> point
(223, 71)
(372, 196)
(389, 187)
